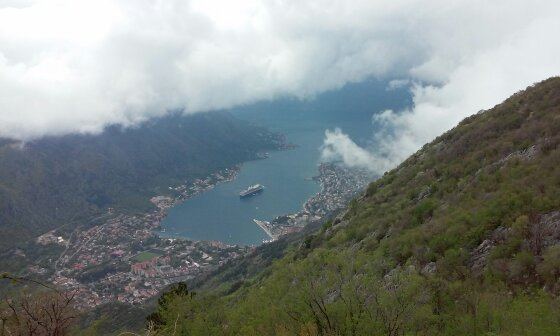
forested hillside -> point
(461, 239)
(61, 181)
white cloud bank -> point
(339, 147)
(78, 66)
(464, 75)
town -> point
(338, 185)
(124, 259)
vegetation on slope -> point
(460, 239)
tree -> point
(49, 312)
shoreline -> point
(262, 225)
(119, 239)
(198, 186)
(112, 249)
(339, 184)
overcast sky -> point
(78, 66)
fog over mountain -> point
(78, 66)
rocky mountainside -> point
(460, 239)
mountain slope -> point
(60, 181)
(461, 239)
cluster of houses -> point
(152, 267)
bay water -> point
(220, 214)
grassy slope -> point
(459, 239)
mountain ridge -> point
(459, 239)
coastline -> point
(125, 258)
(339, 184)
(263, 225)
(117, 254)
(165, 202)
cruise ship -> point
(252, 190)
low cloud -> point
(338, 146)
(68, 66)
(445, 90)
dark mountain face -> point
(61, 181)
(462, 238)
